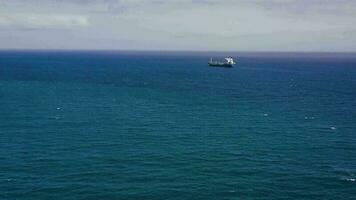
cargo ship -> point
(229, 62)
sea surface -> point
(163, 125)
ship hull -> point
(220, 65)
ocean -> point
(164, 125)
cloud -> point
(40, 21)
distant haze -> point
(219, 25)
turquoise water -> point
(158, 125)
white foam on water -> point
(332, 128)
(265, 114)
(58, 108)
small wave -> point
(54, 117)
(349, 178)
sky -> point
(202, 25)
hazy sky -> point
(238, 25)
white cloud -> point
(34, 21)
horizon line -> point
(173, 50)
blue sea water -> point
(164, 125)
